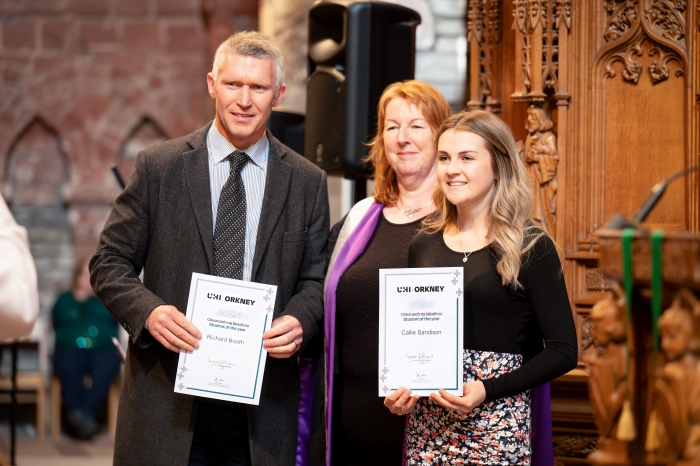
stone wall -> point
(84, 85)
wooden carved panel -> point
(541, 156)
(640, 125)
(595, 281)
(663, 365)
(572, 446)
(677, 386)
(542, 30)
(632, 120)
(673, 424)
(608, 376)
(484, 29)
(540, 78)
(620, 80)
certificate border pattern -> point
(257, 373)
(262, 287)
(458, 372)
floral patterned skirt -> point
(494, 432)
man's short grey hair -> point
(250, 44)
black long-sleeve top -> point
(535, 322)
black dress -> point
(514, 340)
(364, 431)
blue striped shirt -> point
(253, 175)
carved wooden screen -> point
(633, 121)
(620, 80)
(641, 107)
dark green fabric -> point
(87, 324)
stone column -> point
(287, 22)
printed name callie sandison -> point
(420, 332)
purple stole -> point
(306, 386)
(350, 250)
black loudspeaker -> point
(288, 127)
(356, 49)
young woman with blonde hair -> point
(514, 300)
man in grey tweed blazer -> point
(164, 223)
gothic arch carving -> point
(663, 20)
(622, 19)
(648, 59)
(629, 24)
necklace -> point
(409, 212)
(459, 237)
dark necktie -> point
(229, 235)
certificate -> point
(230, 361)
(421, 330)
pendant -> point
(410, 212)
(464, 260)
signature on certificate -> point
(421, 377)
(218, 381)
(219, 363)
(420, 358)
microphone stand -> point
(620, 222)
(118, 175)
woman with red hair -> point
(376, 234)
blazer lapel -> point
(279, 175)
(197, 178)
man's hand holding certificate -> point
(230, 361)
(420, 330)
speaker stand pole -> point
(354, 189)
(360, 189)
(13, 405)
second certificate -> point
(420, 330)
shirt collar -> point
(220, 148)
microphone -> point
(620, 222)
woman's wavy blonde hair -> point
(434, 107)
(510, 223)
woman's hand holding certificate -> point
(474, 395)
(420, 332)
(230, 361)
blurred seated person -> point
(84, 330)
